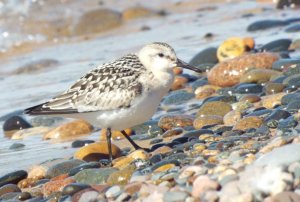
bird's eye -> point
(161, 55)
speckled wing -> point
(110, 86)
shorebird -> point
(119, 94)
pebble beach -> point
(228, 134)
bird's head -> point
(160, 56)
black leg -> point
(132, 142)
(108, 139)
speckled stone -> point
(271, 101)
(121, 177)
(232, 117)
(94, 175)
(168, 122)
(248, 122)
(217, 108)
(62, 168)
(207, 120)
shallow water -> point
(183, 28)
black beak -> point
(185, 65)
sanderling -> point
(120, 94)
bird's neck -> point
(163, 78)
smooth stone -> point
(277, 115)
(258, 75)
(9, 188)
(231, 48)
(270, 101)
(165, 165)
(205, 91)
(277, 45)
(292, 71)
(155, 141)
(72, 188)
(248, 122)
(202, 184)
(197, 133)
(221, 98)
(96, 151)
(206, 56)
(10, 197)
(149, 127)
(81, 143)
(286, 99)
(273, 88)
(168, 122)
(70, 130)
(280, 156)
(45, 121)
(13, 177)
(252, 98)
(36, 131)
(113, 192)
(62, 168)
(293, 106)
(86, 195)
(207, 120)
(177, 97)
(179, 83)
(16, 146)
(121, 177)
(175, 196)
(94, 175)
(232, 117)
(217, 108)
(96, 21)
(137, 12)
(284, 64)
(292, 81)
(11, 114)
(287, 123)
(294, 46)
(265, 24)
(75, 170)
(248, 88)
(198, 83)
(56, 185)
(233, 69)
(15, 123)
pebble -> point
(217, 108)
(284, 64)
(62, 168)
(113, 192)
(36, 66)
(175, 196)
(273, 88)
(233, 69)
(55, 186)
(13, 177)
(81, 143)
(177, 97)
(94, 175)
(174, 121)
(232, 117)
(206, 56)
(72, 188)
(252, 98)
(271, 101)
(29, 132)
(231, 48)
(207, 120)
(281, 4)
(248, 122)
(259, 75)
(277, 45)
(70, 130)
(265, 24)
(8, 188)
(202, 184)
(205, 91)
(86, 195)
(172, 132)
(96, 151)
(76, 169)
(16, 146)
(14, 123)
(121, 177)
(245, 88)
(96, 21)
(295, 44)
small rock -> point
(248, 122)
(175, 196)
(70, 130)
(62, 168)
(8, 188)
(121, 177)
(287, 3)
(36, 66)
(21, 134)
(55, 186)
(13, 177)
(233, 69)
(277, 45)
(179, 82)
(251, 98)
(202, 184)
(207, 120)
(232, 117)
(216, 108)
(293, 28)
(258, 75)
(271, 101)
(177, 97)
(94, 175)
(206, 56)
(72, 188)
(16, 146)
(81, 143)
(96, 151)
(168, 122)
(86, 195)
(273, 88)
(172, 132)
(265, 24)
(285, 64)
(14, 123)
(231, 48)
(83, 166)
(113, 192)
(245, 88)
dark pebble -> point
(277, 115)
(286, 3)
(13, 177)
(286, 99)
(265, 24)
(248, 88)
(177, 97)
(11, 114)
(283, 64)
(293, 106)
(222, 98)
(9, 188)
(36, 199)
(156, 158)
(72, 188)
(290, 122)
(198, 83)
(155, 141)
(206, 56)
(172, 132)
(24, 196)
(156, 146)
(262, 131)
(279, 79)
(276, 46)
(197, 133)
(293, 71)
(83, 166)
(81, 143)
(11, 196)
(178, 156)
(180, 139)
(16, 146)
(260, 113)
(62, 168)
(293, 28)
(223, 129)
(15, 123)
